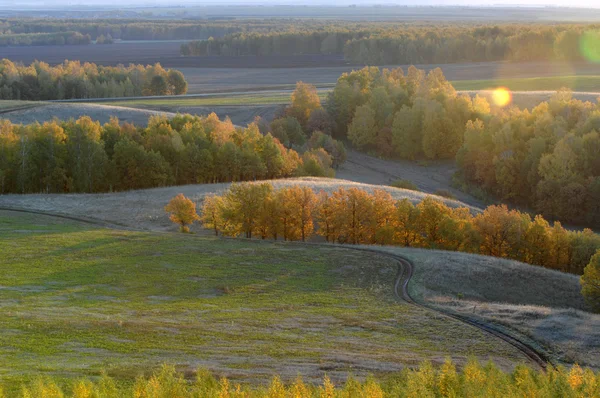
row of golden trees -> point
(355, 216)
(474, 380)
(72, 79)
(84, 156)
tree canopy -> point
(72, 79)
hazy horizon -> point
(341, 3)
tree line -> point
(545, 159)
(381, 44)
(473, 380)
(71, 79)
(44, 39)
(412, 115)
(355, 216)
(84, 156)
(304, 123)
(136, 29)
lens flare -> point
(502, 97)
(589, 45)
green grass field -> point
(76, 300)
(7, 105)
(575, 83)
(268, 98)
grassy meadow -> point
(77, 300)
(267, 98)
(574, 83)
(8, 105)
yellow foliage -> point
(224, 391)
(299, 389)
(276, 388)
(182, 211)
(327, 390)
(575, 377)
(84, 389)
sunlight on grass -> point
(77, 299)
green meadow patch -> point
(76, 300)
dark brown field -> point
(208, 74)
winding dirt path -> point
(403, 277)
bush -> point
(445, 193)
(404, 184)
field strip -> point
(401, 282)
(228, 94)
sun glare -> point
(502, 96)
(589, 44)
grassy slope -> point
(9, 105)
(76, 299)
(541, 303)
(144, 209)
(267, 98)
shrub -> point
(445, 193)
(404, 184)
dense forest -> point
(355, 216)
(71, 79)
(44, 39)
(545, 159)
(396, 115)
(84, 156)
(135, 29)
(381, 45)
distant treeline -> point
(380, 45)
(134, 29)
(44, 39)
(355, 216)
(84, 156)
(71, 79)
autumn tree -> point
(158, 85)
(501, 231)
(384, 217)
(327, 217)
(182, 211)
(432, 213)
(288, 131)
(590, 282)
(212, 209)
(320, 120)
(356, 211)
(241, 207)
(406, 224)
(303, 200)
(176, 82)
(362, 132)
(305, 100)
